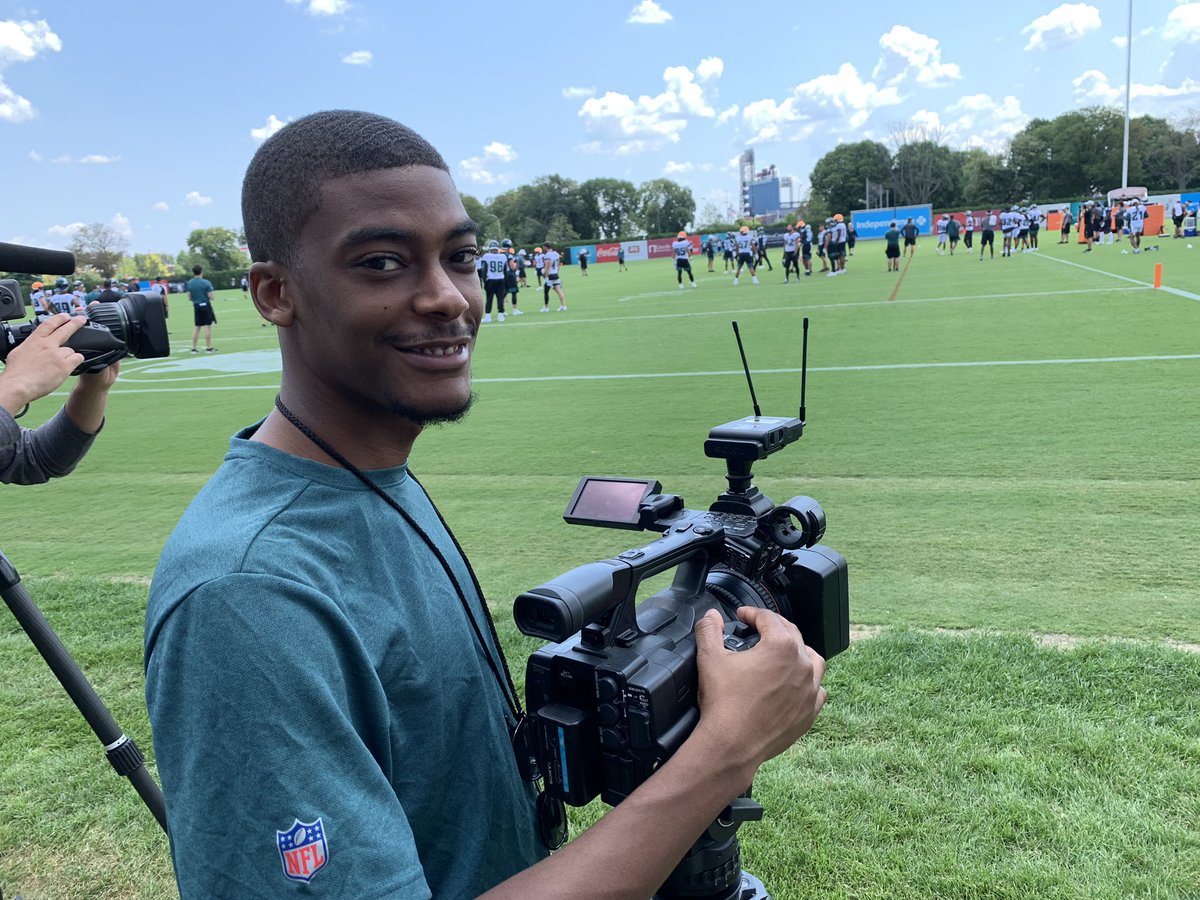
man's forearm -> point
(85, 406)
(631, 851)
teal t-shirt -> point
(199, 288)
(325, 723)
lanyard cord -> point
(510, 695)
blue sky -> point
(144, 116)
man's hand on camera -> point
(41, 363)
(757, 702)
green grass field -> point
(1005, 450)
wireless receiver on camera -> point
(615, 695)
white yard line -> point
(723, 373)
(1146, 284)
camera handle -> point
(120, 750)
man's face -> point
(387, 299)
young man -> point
(806, 244)
(495, 264)
(1136, 217)
(1065, 230)
(727, 245)
(760, 250)
(621, 267)
(910, 232)
(539, 262)
(710, 250)
(942, 229)
(682, 248)
(1178, 214)
(836, 238)
(745, 254)
(791, 240)
(583, 263)
(968, 229)
(200, 290)
(892, 249)
(987, 238)
(550, 263)
(323, 684)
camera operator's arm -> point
(34, 369)
(753, 706)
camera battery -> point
(568, 753)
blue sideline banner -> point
(874, 223)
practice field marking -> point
(721, 373)
(806, 307)
(900, 280)
(1145, 284)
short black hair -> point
(197, 269)
(282, 187)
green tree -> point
(217, 247)
(609, 207)
(840, 176)
(561, 232)
(665, 206)
(987, 180)
(924, 169)
(150, 265)
(1172, 153)
(98, 246)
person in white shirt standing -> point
(1135, 217)
(683, 263)
(745, 253)
(550, 262)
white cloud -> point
(161, 206)
(1064, 24)
(647, 123)
(274, 123)
(1119, 42)
(1093, 87)
(674, 168)
(502, 152)
(62, 159)
(97, 159)
(358, 58)
(64, 230)
(841, 100)
(1183, 23)
(322, 7)
(910, 53)
(648, 13)
(21, 42)
(195, 198)
(927, 119)
(478, 169)
(120, 224)
(728, 113)
(578, 93)
(34, 156)
(710, 67)
(983, 122)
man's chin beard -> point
(424, 418)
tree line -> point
(1077, 154)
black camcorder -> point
(135, 325)
(615, 697)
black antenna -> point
(803, 368)
(737, 334)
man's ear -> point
(273, 292)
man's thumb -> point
(710, 633)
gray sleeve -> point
(35, 455)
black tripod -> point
(121, 751)
(712, 869)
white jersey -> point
(837, 234)
(1136, 217)
(494, 264)
(1176, 209)
(941, 227)
(745, 243)
(682, 248)
(790, 239)
(727, 245)
(538, 258)
(550, 261)
(969, 223)
(806, 235)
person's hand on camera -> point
(41, 363)
(757, 702)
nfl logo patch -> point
(303, 850)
